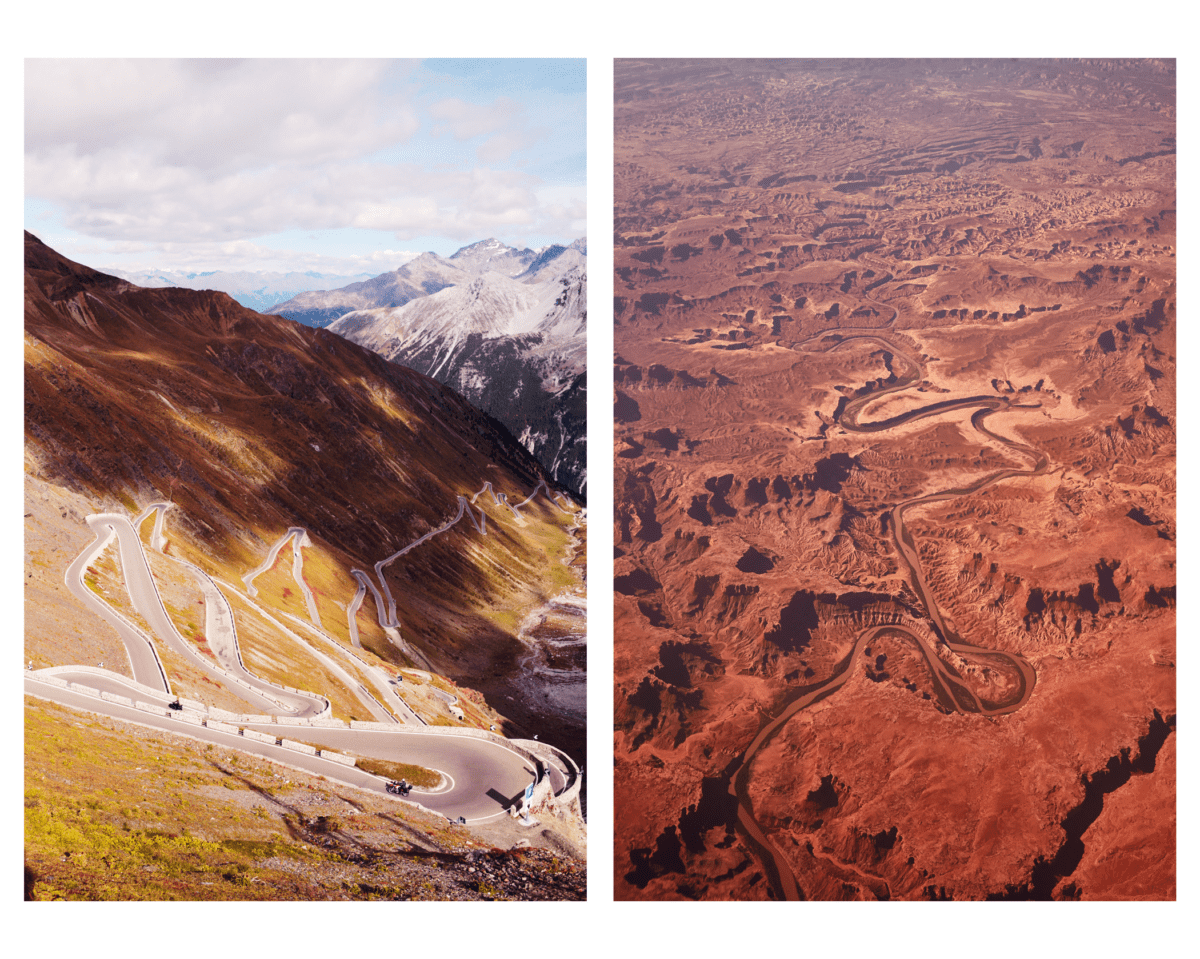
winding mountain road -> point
(299, 538)
(144, 595)
(143, 659)
(483, 777)
(390, 620)
(499, 499)
(386, 607)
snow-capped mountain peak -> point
(509, 331)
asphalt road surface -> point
(483, 778)
(142, 657)
(144, 594)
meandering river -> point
(952, 691)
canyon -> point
(895, 414)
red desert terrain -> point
(895, 479)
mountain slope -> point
(511, 337)
(427, 274)
(531, 376)
(252, 424)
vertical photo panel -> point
(894, 479)
(305, 481)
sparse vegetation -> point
(272, 654)
(415, 775)
(117, 812)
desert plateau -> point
(895, 514)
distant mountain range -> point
(422, 276)
(257, 291)
(506, 328)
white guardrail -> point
(197, 714)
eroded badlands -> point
(895, 480)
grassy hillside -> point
(118, 811)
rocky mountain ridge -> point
(419, 277)
(505, 328)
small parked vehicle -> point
(175, 705)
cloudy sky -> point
(340, 166)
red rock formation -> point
(978, 659)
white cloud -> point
(203, 152)
(211, 115)
(232, 255)
(503, 121)
(118, 197)
(498, 148)
(468, 120)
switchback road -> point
(482, 778)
